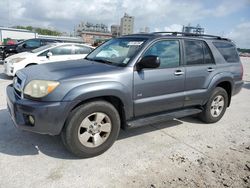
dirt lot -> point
(178, 153)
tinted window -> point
(42, 48)
(228, 51)
(62, 50)
(32, 43)
(194, 52)
(45, 42)
(81, 49)
(168, 51)
(207, 54)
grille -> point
(19, 81)
(18, 93)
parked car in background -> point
(45, 54)
(28, 45)
(1, 52)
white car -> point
(46, 54)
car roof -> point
(71, 43)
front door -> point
(160, 89)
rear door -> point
(200, 69)
(160, 89)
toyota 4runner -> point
(130, 81)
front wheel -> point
(91, 129)
(216, 106)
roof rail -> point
(188, 34)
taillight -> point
(241, 71)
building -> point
(127, 25)
(92, 38)
(115, 30)
(15, 34)
(7, 34)
(191, 29)
(144, 30)
(93, 33)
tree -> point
(39, 30)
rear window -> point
(228, 51)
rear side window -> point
(45, 42)
(228, 51)
(81, 49)
(194, 52)
(33, 43)
(62, 50)
(197, 53)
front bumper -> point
(49, 116)
(8, 69)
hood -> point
(66, 70)
(20, 55)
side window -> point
(34, 43)
(45, 42)
(81, 49)
(44, 53)
(228, 51)
(193, 52)
(208, 59)
(168, 51)
(62, 50)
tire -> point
(213, 109)
(91, 129)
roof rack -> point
(189, 34)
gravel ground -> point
(178, 153)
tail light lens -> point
(242, 71)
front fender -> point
(101, 89)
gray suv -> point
(127, 82)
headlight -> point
(16, 60)
(40, 88)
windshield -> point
(117, 51)
(42, 48)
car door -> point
(200, 69)
(160, 89)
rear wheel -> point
(215, 107)
(91, 129)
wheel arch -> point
(30, 64)
(223, 80)
(114, 100)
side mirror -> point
(24, 45)
(49, 54)
(150, 61)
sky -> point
(228, 18)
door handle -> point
(178, 72)
(210, 69)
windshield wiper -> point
(101, 61)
